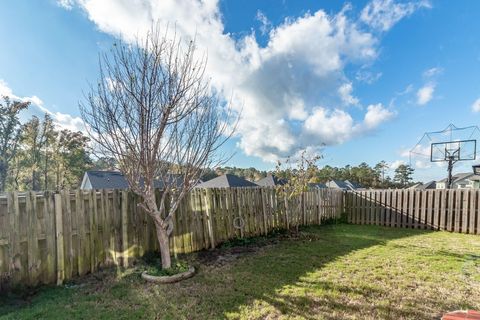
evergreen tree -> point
(9, 136)
(403, 175)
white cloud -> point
(6, 91)
(301, 67)
(337, 126)
(265, 24)
(421, 164)
(376, 115)
(425, 93)
(432, 72)
(66, 4)
(395, 164)
(383, 14)
(332, 127)
(367, 76)
(345, 92)
(476, 105)
(61, 120)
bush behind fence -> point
(50, 238)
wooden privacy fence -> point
(454, 210)
(49, 238)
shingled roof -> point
(458, 177)
(226, 181)
(98, 179)
(271, 181)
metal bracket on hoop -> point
(451, 152)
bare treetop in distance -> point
(154, 112)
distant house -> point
(271, 181)
(429, 185)
(343, 185)
(424, 186)
(226, 181)
(316, 186)
(353, 185)
(96, 179)
(414, 186)
(466, 180)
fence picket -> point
(472, 211)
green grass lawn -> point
(326, 272)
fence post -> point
(59, 238)
(208, 205)
(32, 238)
(124, 228)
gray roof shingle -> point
(226, 181)
(116, 180)
(271, 181)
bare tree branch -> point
(154, 112)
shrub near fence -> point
(50, 238)
(454, 210)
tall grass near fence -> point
(53, 237)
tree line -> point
(368, 177)
(36, 155)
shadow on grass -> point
(263, 274)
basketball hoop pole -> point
(450, 168)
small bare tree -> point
(154, 112)
(297, 173)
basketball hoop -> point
(448, 146)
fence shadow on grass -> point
(288, 266)
(289, 288)
(455, 210)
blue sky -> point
(367, 78)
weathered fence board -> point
(450, 210)
(50, 238)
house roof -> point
(337, 184)
(429, 185)
(459, 176)
(271, 181)
(317, 185)
(414, 186)
(353, 185)
(116, 180)
(226, 181)
(106, 179)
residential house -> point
(316, 186)
(429, 185)
(466, 180)
(414, 186)
(343, 185)
(271, 181)
(424, 186)
(226, 181)
(97, 179)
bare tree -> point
(298, 173)
(154, 112)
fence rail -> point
(455, 210)
(49, 238)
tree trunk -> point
(162, 238)
(287, 220)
